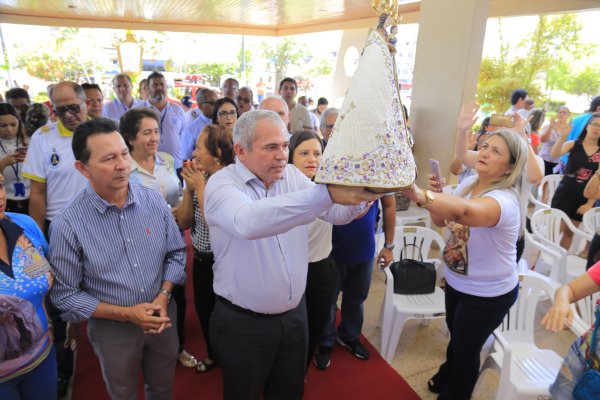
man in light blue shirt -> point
(206, 99)
(172, 117)
(122, 87)
(116, 254)
(257, 211)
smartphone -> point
(22, 149)
(505, 121)
(434, 169)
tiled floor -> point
(422, 347)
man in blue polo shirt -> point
(353, 254)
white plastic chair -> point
(551, 183)
(546, 224)
(583, 311)
(450, 189)
(591, 220)
(398, 308)
(526, 371)
(412, 216)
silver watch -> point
(166, 293)
(389, 246)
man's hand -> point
(145, 316)
(350, 195)
(163, 303)
(384, 258)
(73, 336)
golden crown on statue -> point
(389, 7)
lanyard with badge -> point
(18, 185)
(162, 119)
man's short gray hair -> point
(121, 75)
(326, 113)
(281, 100)
(244, 131)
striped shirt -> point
(101, 253)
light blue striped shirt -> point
(100, 253)
(259, 236)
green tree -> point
(544, 60)
(585, 83)
(283, 54)
(61, 59)
(247, 61)
(211, 71)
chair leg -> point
(396, 331)
(387, 322)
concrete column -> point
(446, 73)
(351, 46)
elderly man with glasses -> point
(50, 165)
(245, 100)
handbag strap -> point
(409, 245)
(588, 361)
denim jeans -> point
(571, 370)
(354, 281)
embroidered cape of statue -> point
(370, 145)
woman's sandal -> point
(205, 365)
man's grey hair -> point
(200, 95)
(76, 88)
(244, 131)
(281, 100)
(326, 113)
(121, 75)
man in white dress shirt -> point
(257, 211)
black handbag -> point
(413, 276)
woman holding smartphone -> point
(484, 221)
(13, 149)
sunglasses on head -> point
(72, 108)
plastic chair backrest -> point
(551, 182)
(520, 319)
(591, 220)
(450, 189)
(415, 240)
(586, 308)
(546, 224)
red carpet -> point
(346, 378)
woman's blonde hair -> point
(516, 180)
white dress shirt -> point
(259, 236)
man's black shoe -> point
(356, 348)
(323, 357)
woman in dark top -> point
(584, 156)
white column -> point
(446, 73)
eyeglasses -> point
(329, 126)
(211, 102)
(72, 108)
(225, 114)
(595, 125)
(241, 99)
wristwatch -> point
(429, 198)
(166, 293)
(389, 246)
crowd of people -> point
(95, 197)
(113, 185)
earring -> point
(217, 161)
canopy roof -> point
(253, 17)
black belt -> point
(243, 310)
